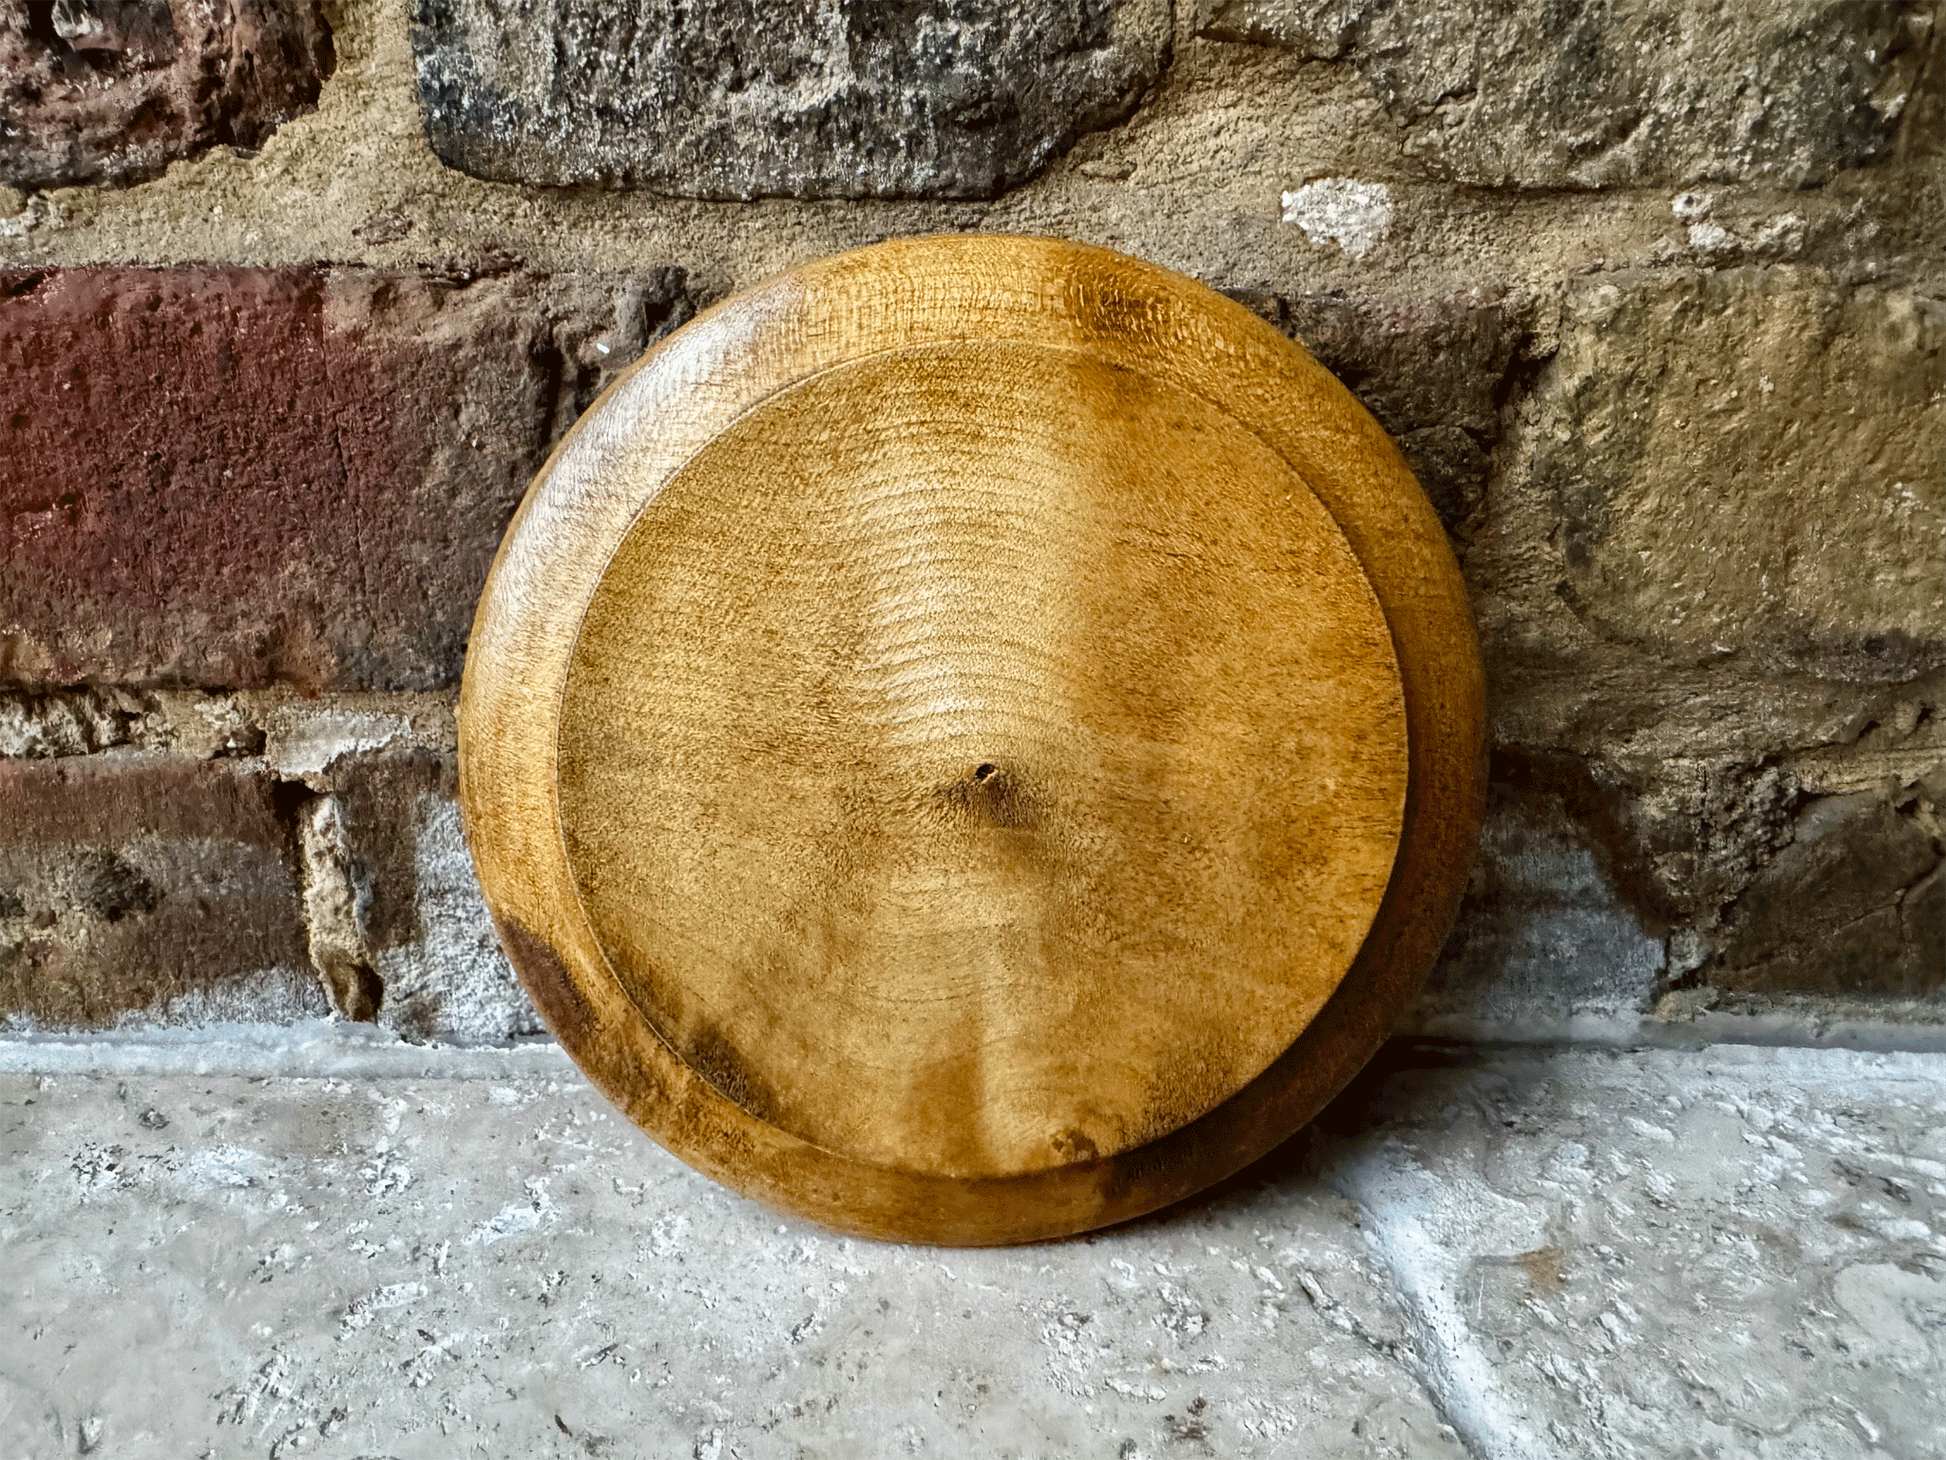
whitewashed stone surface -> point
(1734, 1252)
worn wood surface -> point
(972, 740)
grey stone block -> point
(742, 99)
(1858, 889)
(1530, 94)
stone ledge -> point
(1535, 1253)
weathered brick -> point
(228, 477)
(1852, 906)
(1524, 93)
(113, 90)
(1434, 372)
(1750, 470)
(740, 99)
(140, 885)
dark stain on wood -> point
(562, 1005)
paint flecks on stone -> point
(517, 1218)
(736, 99)
(1355, 216)
(1691, 207)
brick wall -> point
(293, 302)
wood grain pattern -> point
(972, 740)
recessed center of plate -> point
(982, 758)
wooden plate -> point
(972, 740)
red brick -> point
(129, 883)
(230, 477)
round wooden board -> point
(972, 740)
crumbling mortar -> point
(337, 902)
(293, 734)
(77, 720)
